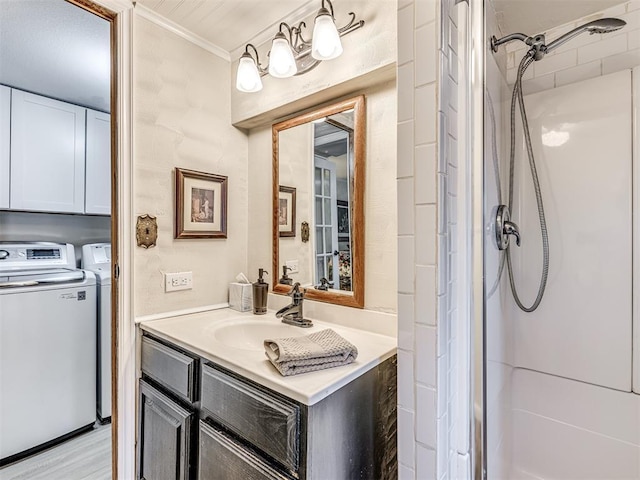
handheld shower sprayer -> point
(537, 43)
(504, 227)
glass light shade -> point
(281, 61)
(247, 77)
(326, 44)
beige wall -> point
(295, 146)
(182, 117)
(380, 198)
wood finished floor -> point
(87, 457)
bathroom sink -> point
(250, 334)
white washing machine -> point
(47, 347)
(96, 257)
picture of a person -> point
(201, 205)
(282, 212)
(205, 207)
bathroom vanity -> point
(213, 407)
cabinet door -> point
(98, 163)
(47, 154)
(164, 443)
(222, 458)
(5, 143)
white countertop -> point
(210, 335)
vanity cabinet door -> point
(221, 458)
(164, 443)
(269, 422)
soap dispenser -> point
(260, 293)
(285, 279)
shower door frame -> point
(478, 311)
(478, 222)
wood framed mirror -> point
(319, 155)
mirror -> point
(318, 203)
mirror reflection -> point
(317, 163)
(332, 179)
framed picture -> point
(287, 211)
(201, 205)
(343, 217)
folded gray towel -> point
(317, 351)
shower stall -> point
(557, 368)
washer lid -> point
(31, 278)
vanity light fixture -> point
(291, 54)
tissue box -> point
(240, 297)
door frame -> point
(324, 164)
(123, 358)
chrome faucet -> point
(292, 314)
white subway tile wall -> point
(429, 67)
(585, 56)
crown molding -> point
(182, 32)
(116, 5)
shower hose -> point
(517, 96)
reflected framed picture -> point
(343, 217)
(201, 204)
(287, 211)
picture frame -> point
(287, 211)
(200, 204)
(343, 218)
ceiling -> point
(536, 16)
(230, 24)
(55, 49)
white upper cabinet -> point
(47, 154)
(5, 143)
(98, 163)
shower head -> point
(537, 43)
(603, 25)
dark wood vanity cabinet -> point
(231, 428)
(165, 436)
(167, 428)
(223, 458)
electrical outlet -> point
(178, 281)
(292, 265)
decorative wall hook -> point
(304, 232)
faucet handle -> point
(296, 293)
(324, 284)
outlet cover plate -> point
(293, 266)
(178, 281)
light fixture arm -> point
(351, 26)
(330, 7)
(261, 70)
(300, 43)
(290, 31)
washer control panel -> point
(96, 256)
(36, 255)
